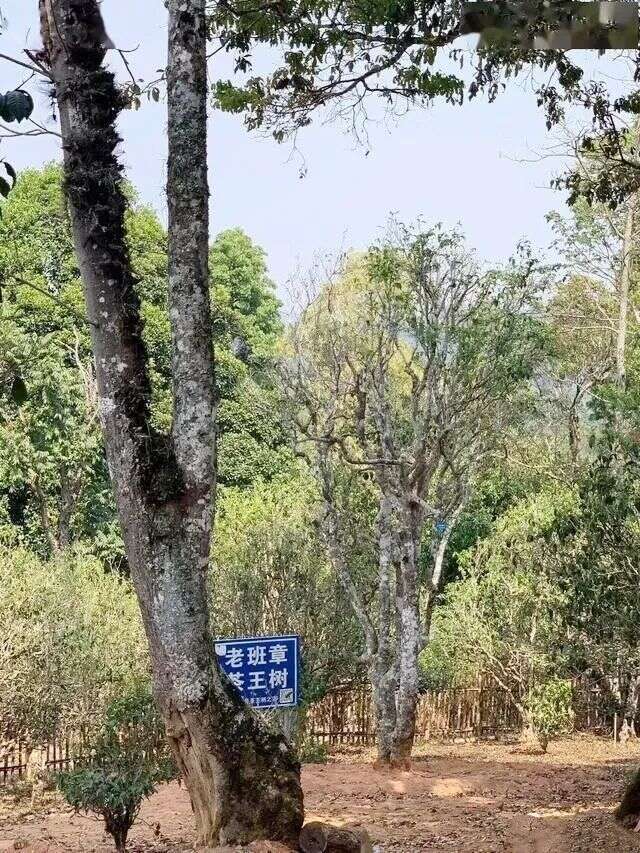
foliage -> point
(313, 752)
(550, 709)
(330, 53)
(335, 57)
(54, 483)
(16, 105)
(268, 554)
(128, 760)
(71, 641)
(252, 441)
(247, 328)
(246, 307)
(503, 618)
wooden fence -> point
(60, 755)
(346, 717)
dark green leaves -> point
(16, 105)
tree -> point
(247, 331)
(405, 369)
(338, 57)
(54, 474)
(128, 761)
(243, 780)
(582, 321)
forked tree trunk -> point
(243, 780)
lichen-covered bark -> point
(623, 289)
(244, 781)
(409, 639)
(383, 672)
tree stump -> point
(317, 837)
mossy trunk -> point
(244, 781)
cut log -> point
(317, 837)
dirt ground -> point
(476, 797)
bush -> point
(71, 641)
(550, 710)
(128, 760)
(312, 752)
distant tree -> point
(269, 554)
(405, 369)
(247, 330)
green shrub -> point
(312, 752)
(71, 641)
(128, 760)
(550, 710)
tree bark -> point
(243, 780)
(623, 291)
(409, 642)
(383, 671)
(383, 678)
(631, 704)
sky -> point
(478, 165)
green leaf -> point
(16, 105)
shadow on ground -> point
(475, 798)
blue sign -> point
(264, 669)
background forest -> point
(525, 530)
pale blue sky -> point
(446, 164)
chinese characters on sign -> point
(264, 669)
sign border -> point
(251, 640)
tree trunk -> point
(631, 704)
(574, 430)
(409, 644)
(118, 828)
(36, 774)
(628, 812)
(623, 291)
(243, 780)
(383, 690)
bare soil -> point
(456, 799)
